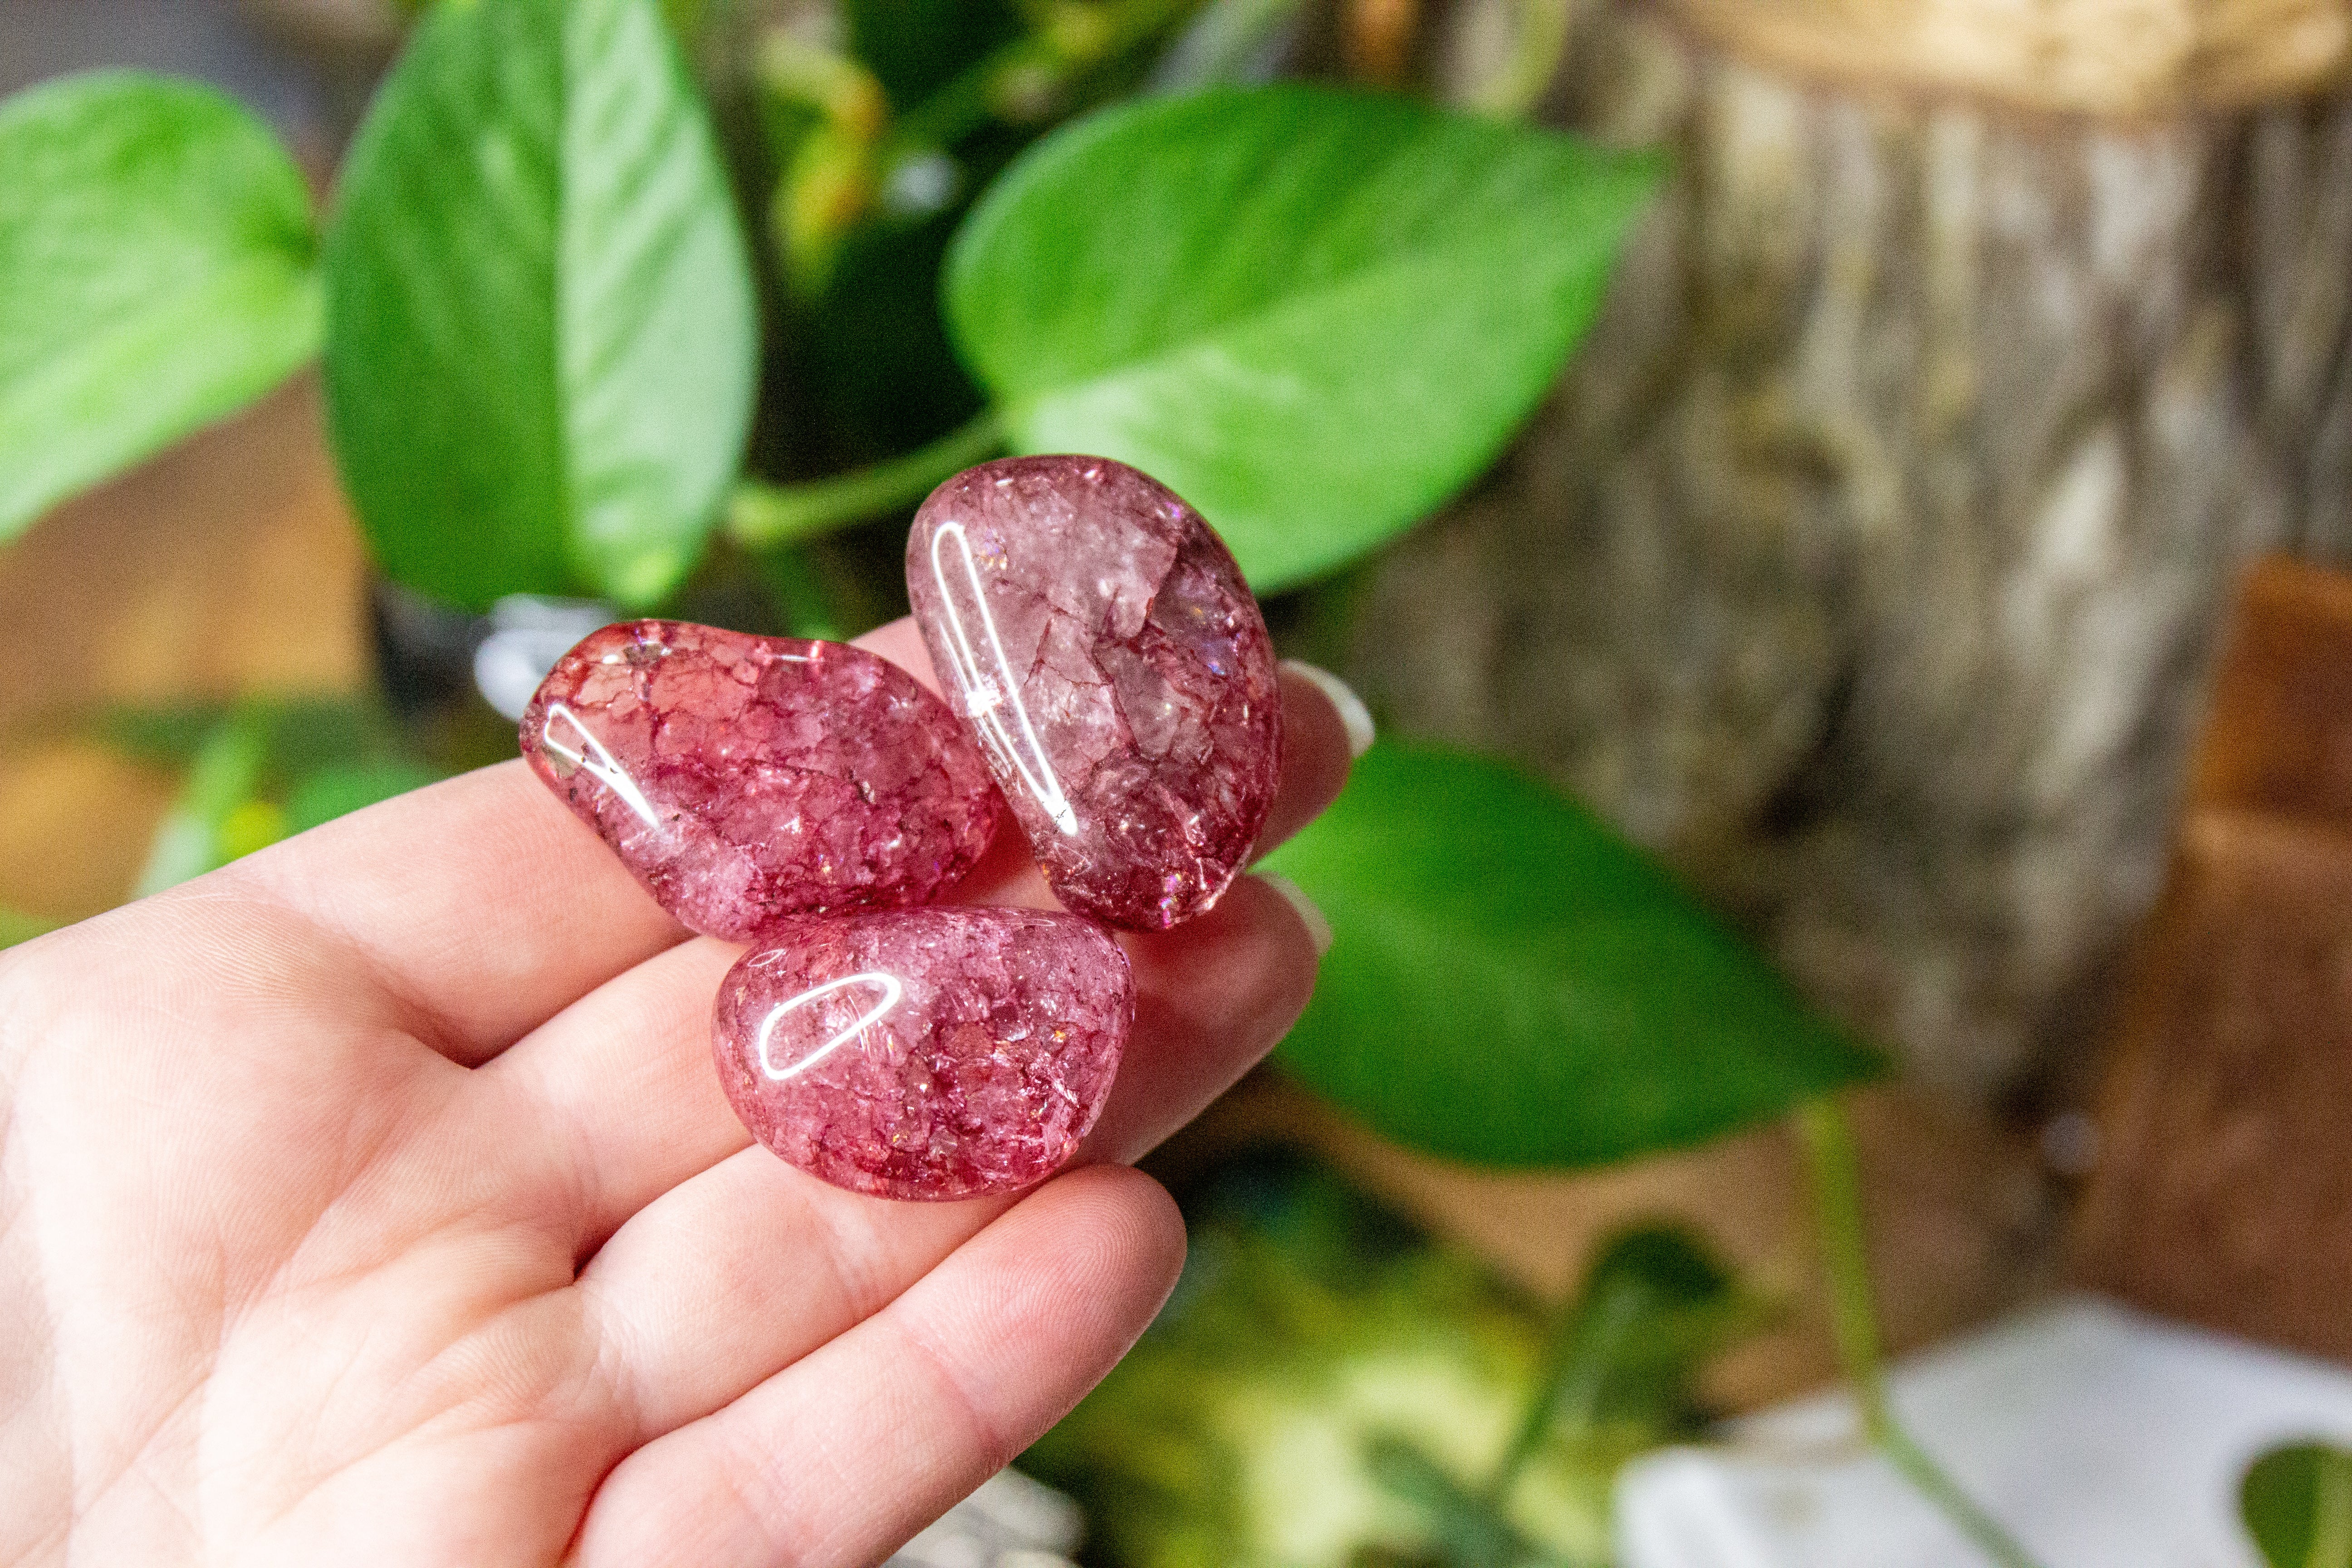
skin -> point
(373, 1200)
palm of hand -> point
(373, 1200)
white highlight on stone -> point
(893, 991)
(596, 762)
(987, 693)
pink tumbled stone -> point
(1117, 671)
(745, 779)
(931, 1053)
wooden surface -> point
(2223, 1191)
(2279, 738)
(228, 566)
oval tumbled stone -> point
(931, 1053)
(1117, 671)
(746, 779)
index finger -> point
(481, 903)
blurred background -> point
(1879, 563)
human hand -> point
(373, 1200)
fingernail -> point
(1353, 711)
(1295, 897)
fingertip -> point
(1310, 914)
(902, 643)
(913, 1406)
(1319, 742)
(1138, 1231)
(1213, 997)
(1354, 717)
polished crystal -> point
(1118, 674)
(746, 779)
(926, 1053)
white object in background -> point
(2099, 1436)
(1011, 1521)
(527, 634)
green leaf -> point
(541, 340)
(2296, 1502)
(1313, 314)
(156, 273)
(222, 778)
(1513, 983)
(16, 926)
(916, 47)
(334, 792)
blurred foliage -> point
(1257, 295)
(879, 123)
(256, 771)
(155, 274)
(16, 926)
(1326, 1389)
(1517, 985)
(541, 344)
(1656, 1305)
(333, 792)
(2296, 1502)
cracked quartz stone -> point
(747, 779)
(1117, 671)
(927, 1053)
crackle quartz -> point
(925, 1053)
(745, 779)
(1117, 671)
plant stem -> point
(1065, 42)
(763, 516)
(808, 605)
(1473, 1532)
(1828, 1140)
(1574, 1365)
(1539, 38)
